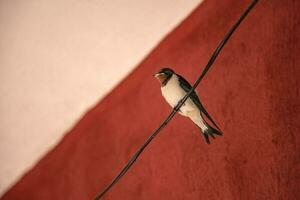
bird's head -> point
(163, 75)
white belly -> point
(173, 93)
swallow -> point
(174, 87)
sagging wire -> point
(180, 103)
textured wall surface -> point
(252, 92)
(58, 58)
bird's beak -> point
(156, 75)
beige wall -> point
(58, 58)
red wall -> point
(252, 92)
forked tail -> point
(210, 131)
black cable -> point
(180, 103)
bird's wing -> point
(186, 87)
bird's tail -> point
(210, 131)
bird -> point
(174, 87)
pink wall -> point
(58, 59)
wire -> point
(180, 103)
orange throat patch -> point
(161, 78)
